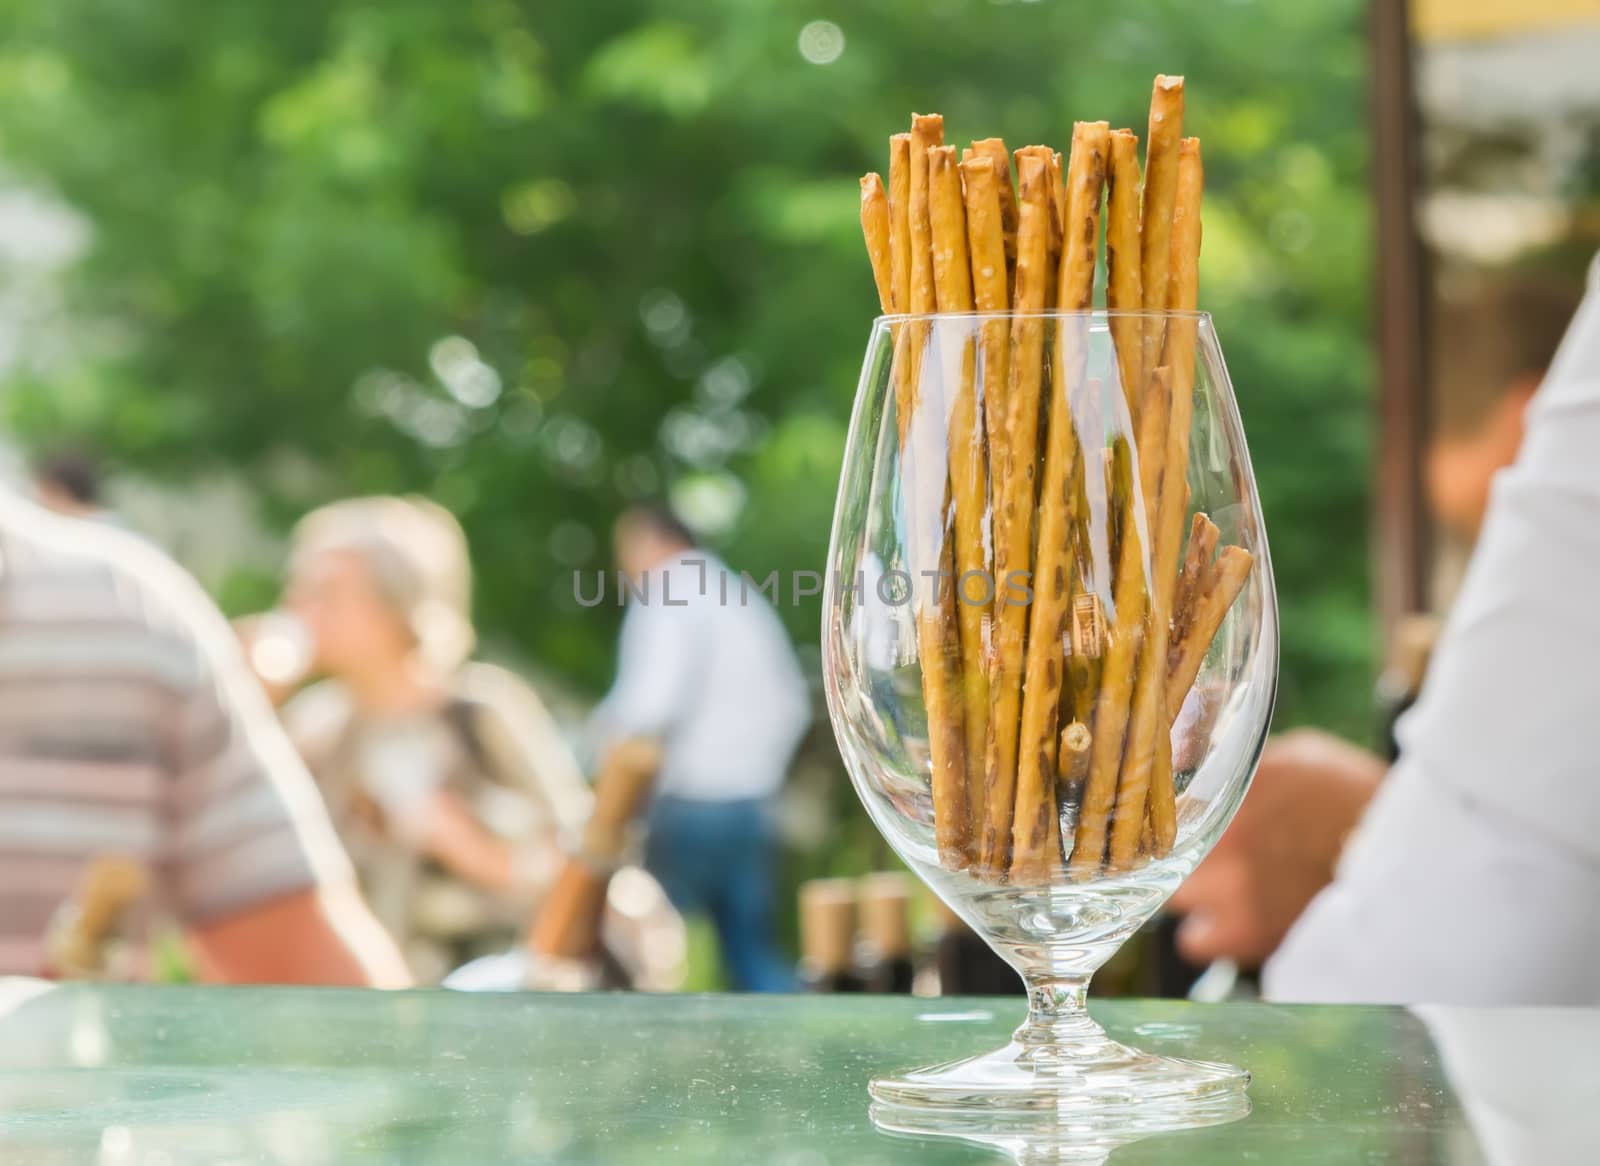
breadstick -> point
(981, 181)
(1058, 210)
(1117, 680)
(1148, 720)
(1193, 582)
(1121, 775)
(927, 131)
(1123, 277)
(1036, 831)
(922, 472)
(1083, 195)
(1059, 189)
(1087, 613)
(1225, 582)
(1095, 556)
(969, 472)
(1015, 463)
(905, 360)
(995, 150)
(1087, 661)
(1160, 191)
(1083, 198)
(875, 227)
(1058, 193)
(939, 645)
(1072, 764)
(900, 221)
(1074, 755)
(1195, 579)
(1160, 824)
(1183, 293)
(1139, 763)
(1161, 809)
(1141, 755)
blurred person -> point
(706, 674)
(1492, 351)
(1493, 348)
(129, 727)
(447, 779)
(69, 481)
(1471, 874)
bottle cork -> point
(886, 913)
(827, 925)
(1414, 638)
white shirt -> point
(1475, 875)
(706, 668)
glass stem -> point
(1058, 1013)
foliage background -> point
(640, 216)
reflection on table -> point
(124, 1076)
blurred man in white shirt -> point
(706, 673)
(1473, 873)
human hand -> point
(1280, 849)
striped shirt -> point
(129, 726)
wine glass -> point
(1050, 649)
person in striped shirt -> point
(130, 727)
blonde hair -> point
(418, 556)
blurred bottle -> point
(81, 943)
(1401, 682)
(827, 934)
(884, 958)
(968, 966)
(566, 935)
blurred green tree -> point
(534, 259)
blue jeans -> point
(716, 858)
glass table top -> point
(150, 1076)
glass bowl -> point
(1050, 653)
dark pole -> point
(1400, 520)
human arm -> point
(505, 834)
(408, 791)
(250, 859)
(1280, 850)
(1486, 836)
(303, 937)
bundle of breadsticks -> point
(1050, 717)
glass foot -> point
(1067, 1102)
(1072, 1138)
(1087, 1078)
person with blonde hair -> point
(447, 779)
